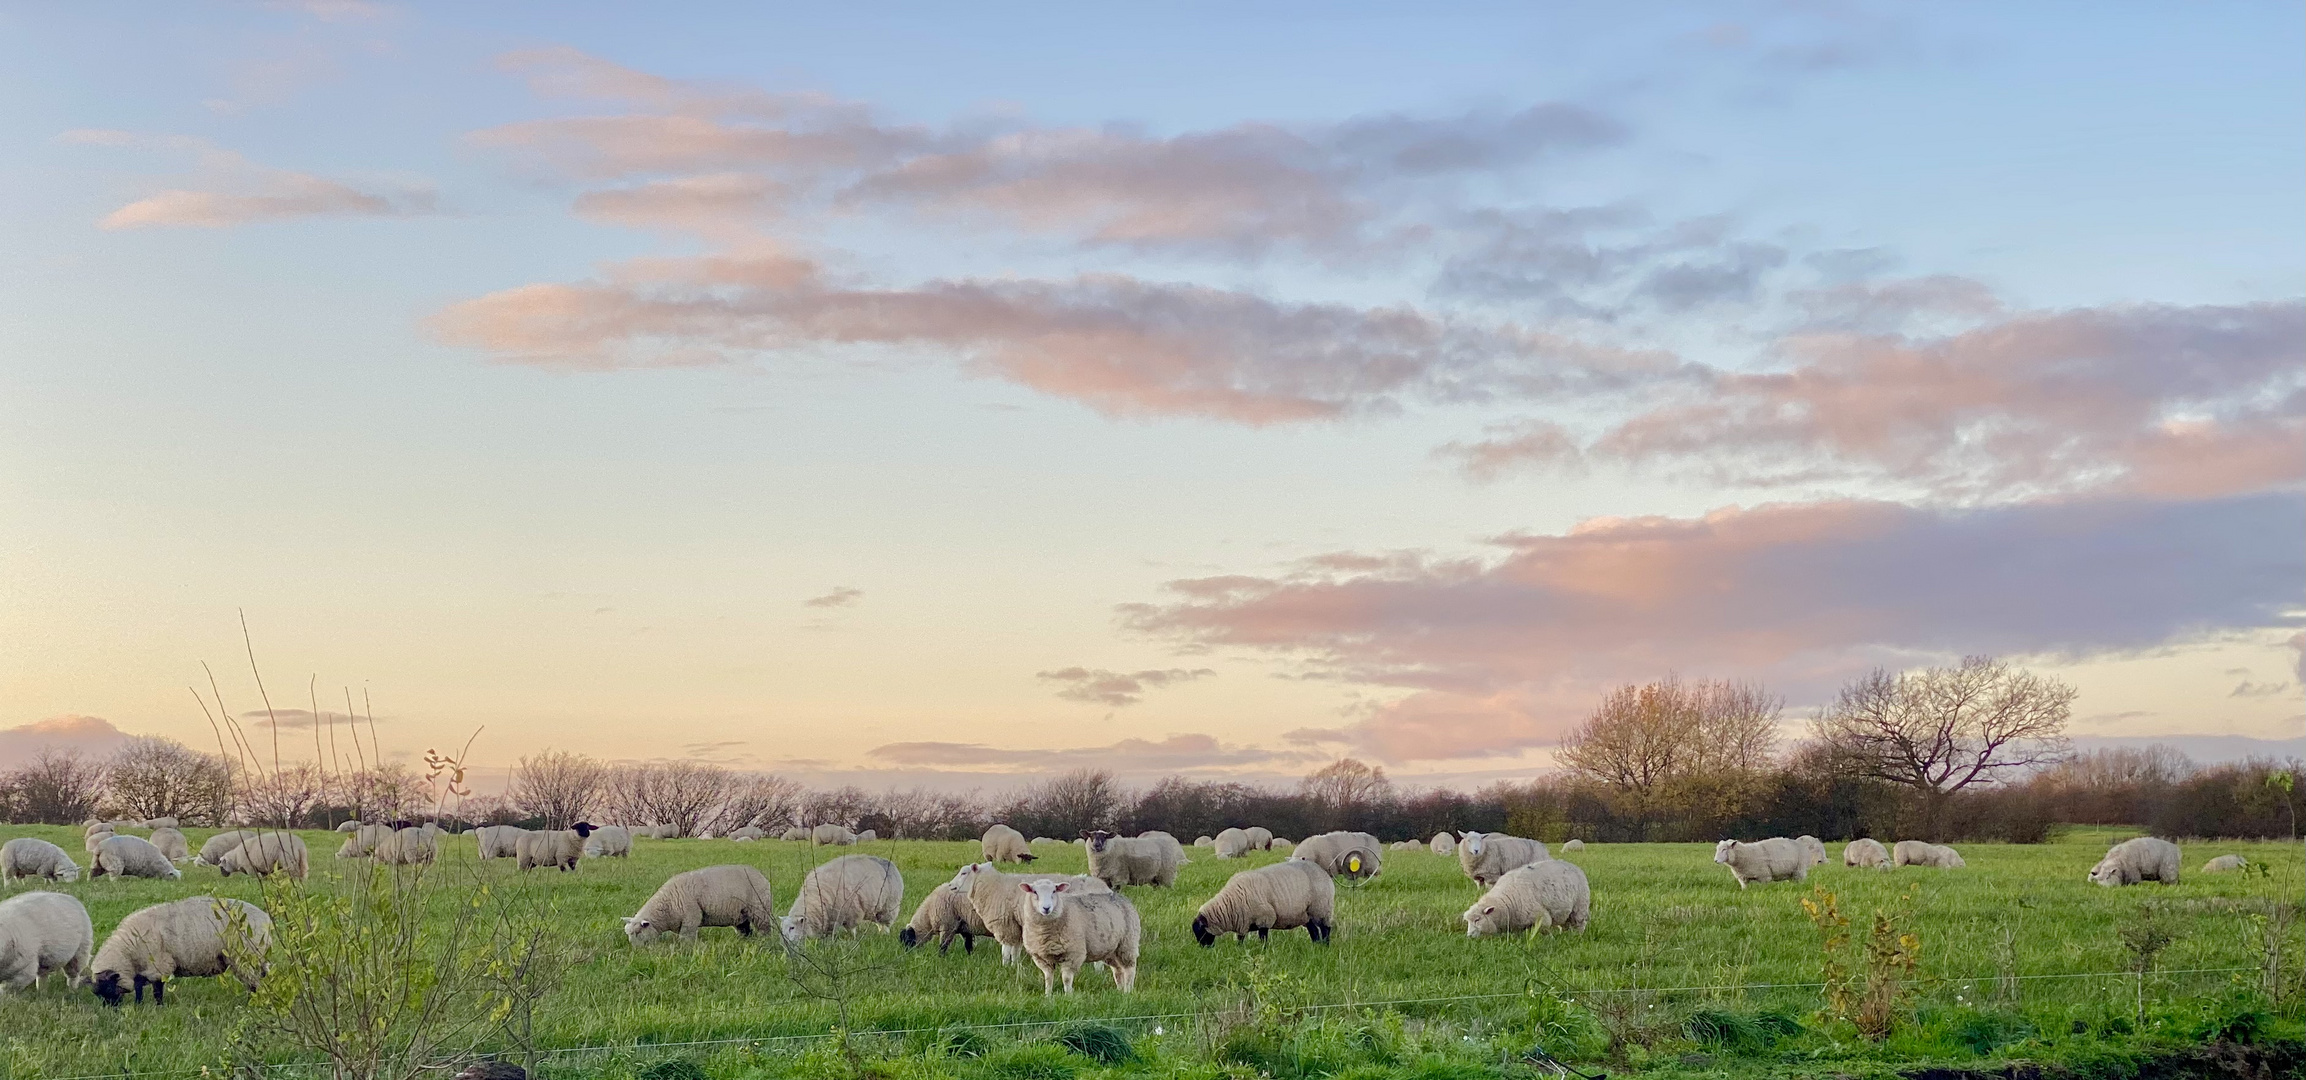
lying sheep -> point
(1351, 854)
(1198, 841)
(1485, 857)
(171, 843)
(2223, 864)
(364, 841)
(2145, 858)
(832, 835)
(131, 856)
(212, 852)
(1922, 853)
(664, 832)
(795, 833)
(1065, 928)
(1261, 839)
(1533, 897)
(417, 846)
(200, 936)
(731, 895)
(1405, 845)
(559, 848)
(1281, 843)
(32, 857)
(607, 842)
(845, 894)
(1868, 853)
(1231, 844)
(1004, 844)
(1283, 896)
(1042, 841)
(745, 833)
(944, 914)
(1815, 847)
(1774, 859)
(1443, 843)
(162, 823)
(267, 853)
(1134, 860)
(1574, 845)
(42, 932)
(499, 841)
(994, 896)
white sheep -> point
(1774, 859)
(845, 894)
(212, 852)
(413, 846)
(1573, 845)
(1351, 854)
(995, 897)
(867, 836)
(1486, 857)
(349, 825)
(795, 833)
(363, 841)
(2144, 858)
(171, 843)
(1065, 928)
(1231, 844)
(200, 936)
(1533, 897)
(2223, 864)
(1923, 853)
(832, 835)
(944, 914)
(42, 932)
(745, 833)
(1815, 847)
(664, 831)
(131, 856)
(498, 841)
(267, 853)
(92, 840)
(731, 895)
(559, 848)
(1867, 852)
(1198, 841)
(1261, 839)
(1283, 896)
(1134, 860)
(607, 842)
(32, 857)
(1004, 844)
(1443, 843)
(162, 823)
(1279, 843)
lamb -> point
(995, 897)
(607, 842)
(730, 895)
(2144, 858)
(1283, 896)
(162, 823)
(1443, 843)
(363, 841)
(1533, 897)
(1814, 846)
(944, 914)
(1004, 844)
(1355, 855)
(1261, 839)
(267, 853)
(198, 936)
(32, 857)
(171, 843)
(131, 856)
(2223, 864)
(832, 834)
(844, 894)
(746, 833)
(409, 847)
(1065, 928)
(1231, 844)
(212, 852)
(42, 932)
(1134, 860)
(499, 841)
(1574, 845)
(553, 847)
(1922, 853)
(1774, 859)
(1867, 852)
(1485, 857)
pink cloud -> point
(90, 736)
(1187, 753)
(237, 191)
(1117, 688)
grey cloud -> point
(1116, 688)
(300, 718)
(2249, 689)
(839, 597)
(1178, 753)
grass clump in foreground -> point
(1680, 972)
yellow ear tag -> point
(1353, 864)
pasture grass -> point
(1679, 972)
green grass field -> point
(1401, 991)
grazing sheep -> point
(1485, 857)
(42, 932)
(748, 832)
(1352, 854)
(267, 853)
(832, 834)
(94, 827)
(415, 846)
(499, 841)
(1574, 845)
(364, 841)
(553, 847)
(131, 856)
(845, 894)
(1774, 859)
(732, 895)
(1134, 860)
(1405, 845)
(1198, 841)
(1231, 844)
(1283, 896)
(944, 914)
(1867, 852)
(1443, 843)
(867, 836)
(350, 825)
(1921, 853)
(1533, 897)
(995, 898)
(608, 842)
(171, 843)
(90, 841)
(1814, 846)
(1004, 844)
(2223, 864)
(191, 937)
(1041, 840)
(212, 852)
(122, 825)
(1261, 839)
(1281, 843)
(32, 857)
(795, 833)
(162, 823)
(1065, 928)
(2144, 858)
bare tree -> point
(690, 793)
(154, 777)
(559, 786)
(1071, 804)
(835, 806)
(285, 797)
(768, 801)
(59, 787)
(1941, 730)
(1344, 790)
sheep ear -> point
(1060, 886)
(1490, 910)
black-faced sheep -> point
(560, 848)
(42, 932)
(1533, 897)
(1065, 928)
(197, 937)
(2144, 858)
(1486, 857)
(732, 895)
(1283, 896)
(1774, 859)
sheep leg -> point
(1008, 953)
(968, 943)
(1124, 978)
(1264, 935)
(1049, 977)
(1070, 969)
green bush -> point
(1104, 1043)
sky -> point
(920, 394)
